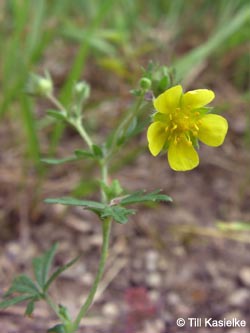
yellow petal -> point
(213, 129)
(182, 156)
(195, 99)
(156, 137)
(169, 100)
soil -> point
(170, 261)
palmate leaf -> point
(24, 289)
(118, 213)
(27, 290)
(42, 265)
(116, 208)
(68, 201)
(60, 270)
(24, 285)
(141, 196)
(14, 300)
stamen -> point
(174, 127)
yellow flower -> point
(180, 121)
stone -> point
(110, 310)
(239, 297)
(244, 276)
(154, 280)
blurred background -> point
(187, 259)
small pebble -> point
(110, 310)
(96, 240)
(154, 295)
(239, 297)
(154, 280)
(244, 276)
(87, 278)
(173, 298)
(151, 260)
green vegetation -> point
(106, 46)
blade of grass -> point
(79, 65)
(200, 53)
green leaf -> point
(64, 313)
(42, 265)
(57, 329)
(59, 271)
(97, 151)
(113, 190)
(57, 114)
(68, 201)
(141, 197)
(30, 308)
(83, 153)
(136, 92)
(118, 213)
(24, 285)
(59, 160)
(15, 300)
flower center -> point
(183, 124)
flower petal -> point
(212, 130)
(182, 156)
(168, 100)
(156, 137)
(195, 99)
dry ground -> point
(170, 261)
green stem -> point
(57, 103)
(106, 228)
(81, 130)
(76, 123)
(53, 306)
(104, 173)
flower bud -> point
(82, 91)
(39, 86)
(145, 83)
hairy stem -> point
(77, 123)
(106, 227)
(81, 130)
(53, 306)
